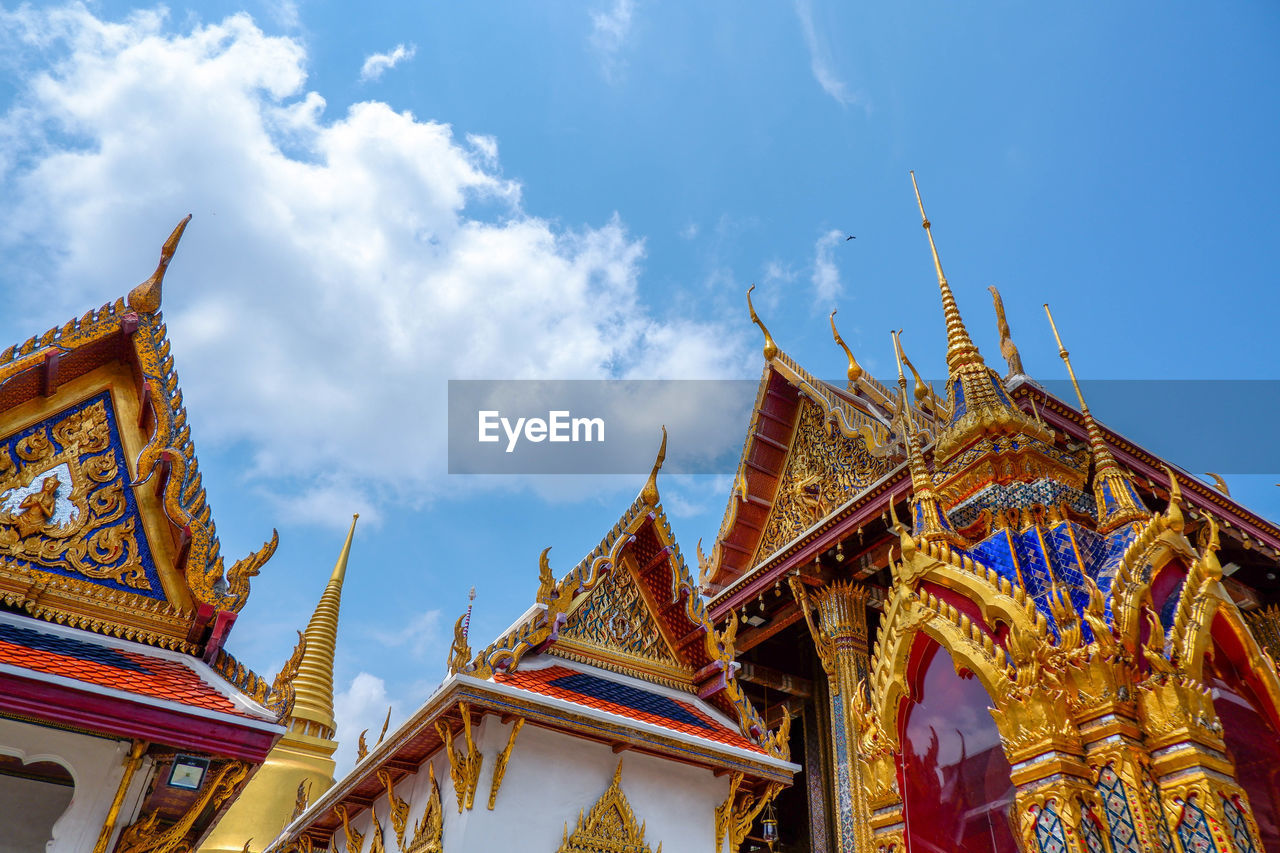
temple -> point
(125, 724)
(967, 620)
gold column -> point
(1195, 777)
(840, 637)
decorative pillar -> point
(1205, 808)
(840, 637)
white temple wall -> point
(549, 779)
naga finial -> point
(1008, 348)
(546, 578)
(460, 651)
(649, 494)
(854, 371)
(145, 298)
(770, 348)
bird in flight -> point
(850, 237)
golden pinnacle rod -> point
(1066, 359)
(902, 381)
(924, 220)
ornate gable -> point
(613, 624)
(824, 469)
(103, 518)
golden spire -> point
(770, 348)
(930, 521)
(649, 494)
(855, 370)
(1008, 348)
(313, 685)
(1117, 502)
(976, 398)
(146, 296)
(960, 348)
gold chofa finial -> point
(1117, 501)
(649, 494)
(770, 348)
(1007, 347)
(145, 298)
(855, 370)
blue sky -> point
(561, 190)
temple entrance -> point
(1252, 738)
(954, 778)
(32, 798)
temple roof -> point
(122, 689)
(103, 518)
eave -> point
(416, 741)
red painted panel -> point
(956, 789)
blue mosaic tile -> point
(1193, 831)
(629, 697)
(1241, 837)
(1115, 803)
(1049, 834)
(68, 647)
(129, 514)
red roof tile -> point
(104, 666)
(625, 700)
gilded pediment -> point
(66, 507)
(614, 624)
(824, 469)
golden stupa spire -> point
(854, 371)
(930, 522)
(1118, 503)
(960, 347)
(313, 686)
(770, 348)
(976, 397)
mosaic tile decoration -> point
(1162, 826)
(1193, 830)
(96, 557)
(1241, 837)
(1049, 834)
(1115, 803)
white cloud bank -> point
(377, 64)
(337, 270)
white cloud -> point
(609, 32)
(363, 705)
(375, 65)
(826, 275)
(820, 60)
(335, 273)
(421, 635)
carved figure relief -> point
(823, 470)
(65, 505)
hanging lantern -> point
(769, 825)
